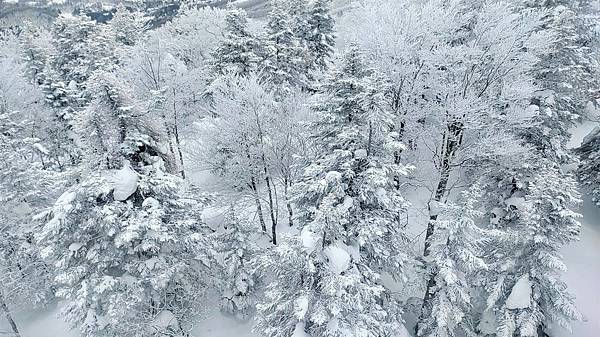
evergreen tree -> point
(327, 283)
(126, 242)
(127, 25)
(82, 46)
(457, 260)
(237, 53)
(237, 249)
(567, 75)
(319, 34)
(282, 66)
(588, 169)
(524, 287)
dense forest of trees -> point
(395, 159)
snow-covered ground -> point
(583, 278)
(583, 259)
(48, 324)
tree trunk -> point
(177, 140)
(452, 140)
(261, 219)
(271, 207)
(287, 202)
(8, 316)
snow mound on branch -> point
(333, 176)
(124, 183)
(520, 295)
(309, 240)
(75, 246)
(518, 203)
(150, 203)
(301, 307)
(339, 259)
(360, 153)
(346, 205)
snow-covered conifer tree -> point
(319, 34)
(590, 156)
(282, 66)
(457, 257)
(126, 241)
(237, 249)
(238, 53)
(567, 75)
(327, 281)
(524, 287)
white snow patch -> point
(488, 325)
(75, 246)
(520, 296)
(360, 153)
(518, 203)
(583, 273)
(339, 259)
(165, 319)
(353, 250)
(150, 203)
(299, 330)
(346, 205)
(434, 208)
(333, 176)
(41, 148)
(309, 240)
(301, 307)
(124, 183)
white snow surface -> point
(299, 330)
(339, 259)
(301, 307)
(520, 296)
(124, 182)
(309, 240)
(583, 275)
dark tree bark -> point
(452, 139)
(9, 317)
(261, 218)
(286, 182)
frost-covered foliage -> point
(440, 128)
(235, 137)
(457, 257)
(239, 52)
(127, 241)
(128, 26)
(193, 35)
(236, 251)
(327, 282)
(536, 213)
(568, 74)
